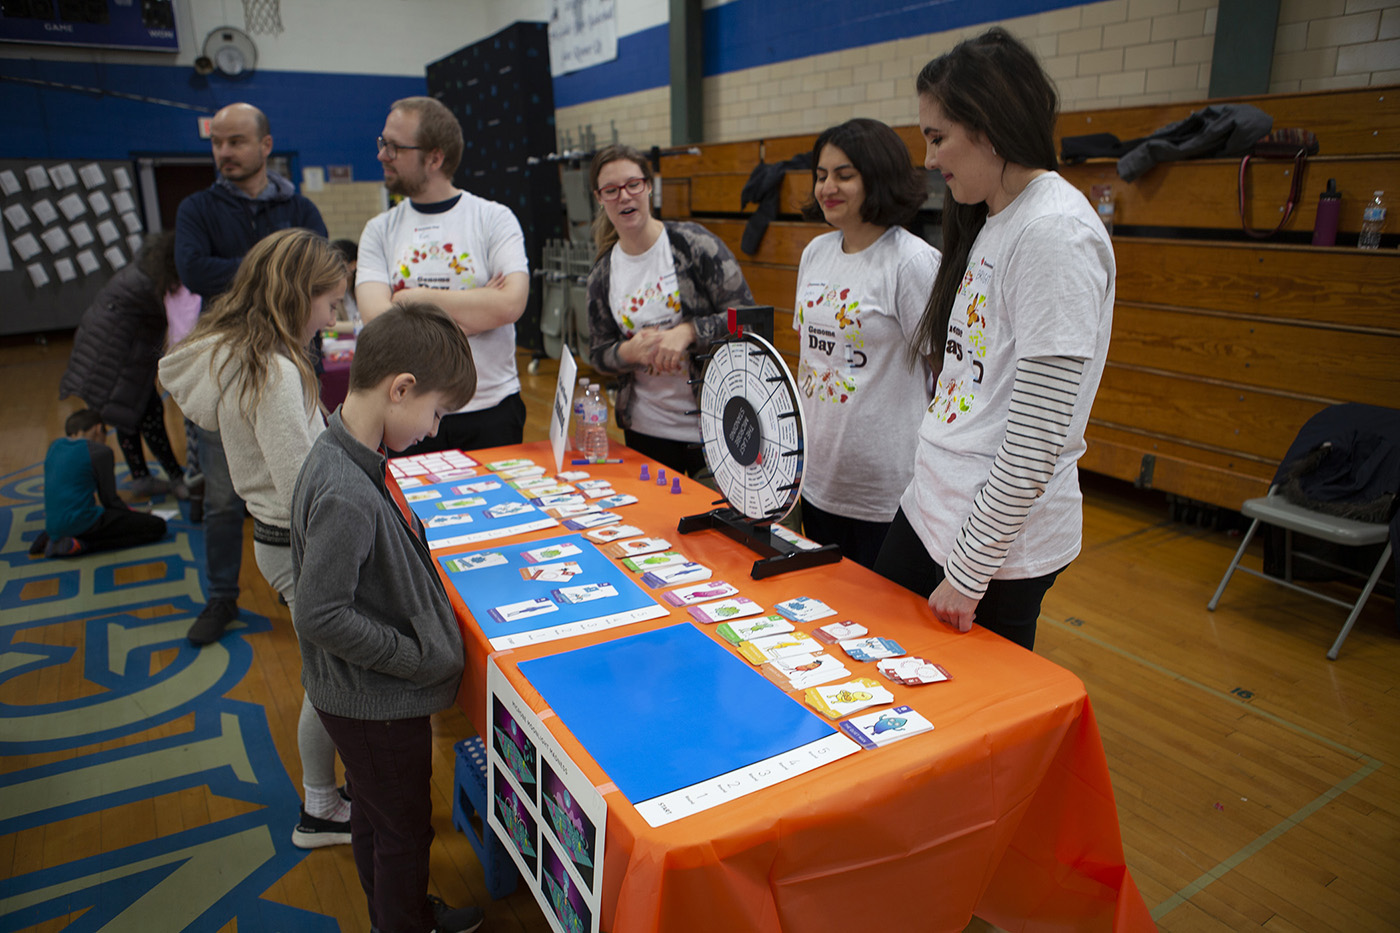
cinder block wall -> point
(346, 207)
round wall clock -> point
(752, 426)
(229, 51)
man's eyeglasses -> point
(613, 192)
(391, 149)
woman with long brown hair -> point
(1020, 317)
(245, 371)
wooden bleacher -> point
(1222, 345)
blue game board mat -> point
(485, 588)
(481, 524)
(666, 709)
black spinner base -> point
(780, 556)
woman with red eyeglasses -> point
(657, 295)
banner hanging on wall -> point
(582, 33)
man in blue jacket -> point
(213, 230)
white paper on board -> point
(133, 243)
(81, 233)
(36, 176)
(108, 232)
(99, 202)
(17, 216)
(87, 261)
(114, 256)
(56, 239)
(73, 206)
(133, 223)
(63, 175)
(65, 270)
(6, 263)
(92, 175)
(122, 202)
(37, 274)
(9, 182)
(44, 211)
(121, 177)
(27, 246)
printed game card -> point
(881, 728)
(803, 671)
(468, 502)
(523, 472)
(592, 520)
(571, 476)
(912, 671)
(471, 489)
(550, 552)
(475, 561)
(636, 547)
(676, 573)
(653, 561)
(573, 510)
(871, 649)
(612, 533)
(554, 489)
(507, 509)
(725, 609)
(596, 492)
(616, 502)
(777, 647)
(501, 466)
(561, 572)
(525, 609)
(690, 595)
(804, 609)
(594, 484)
(533, 482)
(839, 700)
(748, 629)
(585, 593)
(422, 496)
(833, 632)
(443, 521)
(563, 498)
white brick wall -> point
(1106, 54)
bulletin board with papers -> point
(68, 225)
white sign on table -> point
(563, 405)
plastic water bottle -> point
(1372, 221)
(576, 418)
(1105, 207)
(595, 424)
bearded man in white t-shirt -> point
(449, 247)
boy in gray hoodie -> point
(381, 649)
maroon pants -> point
(389, 768)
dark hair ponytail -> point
(993, 86)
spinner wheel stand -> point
(752, 428)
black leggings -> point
(1009, 607)
(152, 428)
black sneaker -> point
(312, 832)
(40, 544)
(454, 919)
(213, 619)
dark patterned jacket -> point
(115, 351)
(710, 283)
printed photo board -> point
(679, 723)
(550, 818)
(537, 591)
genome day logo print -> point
(107, 714)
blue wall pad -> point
(665, 709)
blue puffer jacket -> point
(216, 227)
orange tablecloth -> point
(1005, 809)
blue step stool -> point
(468, 801)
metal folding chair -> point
(1274, 509)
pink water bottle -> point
(1329, 205)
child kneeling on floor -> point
(381, 649)
(77, 468)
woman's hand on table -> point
(951, 607)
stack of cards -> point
(592, 520)
(723, 609)
(551, 552)
(635, 547)
(912, 671)
(562, 572)
(881, 728)
(585, 593)
(611, 532)
(688, 572)
(749, 629)
(572, 476)
(804, 609)
(690, 595)
(653, 561)
(803, 671)
(476, 561)
(514, 612)
(777, 647)
(840, 700)
(871, 649)
(833, 632)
